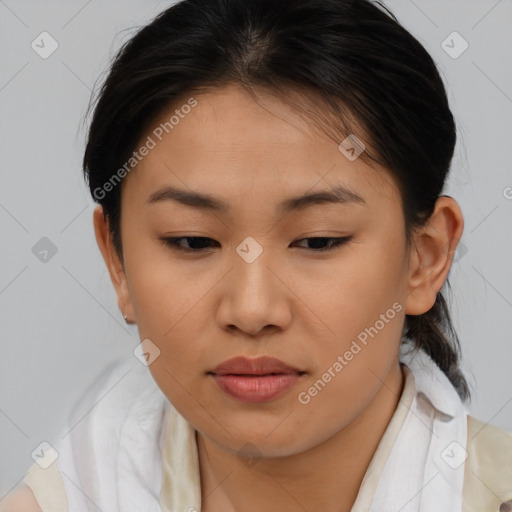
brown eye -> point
(198, 244)
(319, 243)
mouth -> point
(263, 365)
(262, 374)
(256, 388)
(255, 380)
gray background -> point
(60, 325)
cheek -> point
(353, 291)
(164, 289)
(172, 302)
(360, 301)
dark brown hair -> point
(349, 58)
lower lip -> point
(257, 388)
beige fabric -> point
(488, 470)
(180, 463)
(48, 488)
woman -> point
(269, 178)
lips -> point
(263, 365)
(255, 380)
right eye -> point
(174, 243)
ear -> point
(114, 264)
(431, 255)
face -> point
(263, 275)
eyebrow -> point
(339, 194)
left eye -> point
(202, 242)
(332, 243)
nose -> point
(255, 299)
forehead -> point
(232, 145)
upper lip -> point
(263, 365)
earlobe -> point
(113, 263)
(432, 254)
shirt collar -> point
(431, 382)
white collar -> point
(431, 382)
(425, 469)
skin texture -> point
(292, 303)
(20, 500)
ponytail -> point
(433, 332)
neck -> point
(326, 477)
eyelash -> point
(173, 243)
